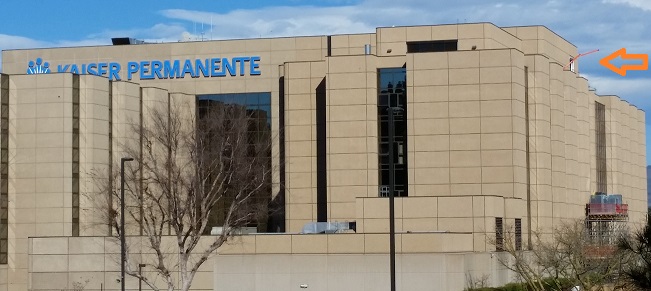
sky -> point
(607, 25)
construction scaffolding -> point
(606, 218)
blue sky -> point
(589, 24)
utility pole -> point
(392, 188)
(123, 244)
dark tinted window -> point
(258, 112)
(432, 46)
(392, 92)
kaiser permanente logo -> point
(38, 67)
(156, 69)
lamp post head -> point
(126, 159)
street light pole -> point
(140, 266)
(392, 188)
(122, 231)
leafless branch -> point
(189, 174)
(566, 256)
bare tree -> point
(476, 282)
(191, 172)
(637, 246)
(78, 286)
(565, 257)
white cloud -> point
(273, 21)
(18, 42)
(635, 91)
(642, 4)
(588, 24)
(160, 32)
(9, 42)
(606, 25)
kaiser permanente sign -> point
(156, 69)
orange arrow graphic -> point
(622, 53)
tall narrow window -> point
(75, 155)
(110, 146)
(4, 167)
(257, 107)
(321, 154)
(277, 207)
(329, 42)
(518, 234)
(528, 152)
(600, 144)
(392, 92)
(499, 234)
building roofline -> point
(440, 24)
(185, 42)
(108, 44)
(540, 25)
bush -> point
(550, 284)
(507, 287)
(514, 287)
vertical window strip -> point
(528, 153)
(4, 168)
(140, 166)
(329, 43)
(280, 214)
(518, 234)
(75, 155)
(499, 234)
(321, 154)
(258, 107)
(600, 144)
(392, 92)
(109, 191)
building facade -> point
(495, 133)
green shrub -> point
(507, 287)
(514, 287)
(550, 284)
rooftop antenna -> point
(211, 27)
(202, 32)
(572, 65)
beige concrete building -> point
(493, 134)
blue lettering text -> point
(187, 69)
(156, 66)
(91, 69)
(228, 66)
(101, 70)
(254, 66)
(144, 71)
(202, 67)
(114, 70)
(132, 67)
(170, 71)
(62, 69)
(215, 68)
